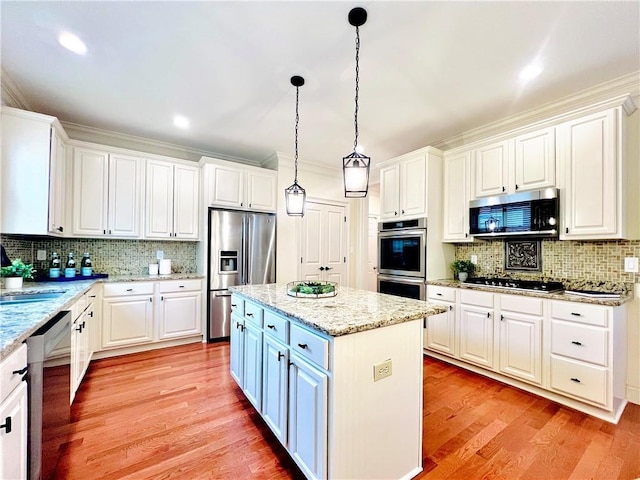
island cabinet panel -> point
(252, 378)
(236, 341)
(275, 386)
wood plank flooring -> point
(177, 414)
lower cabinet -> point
(440, 330)
(275, 386)
(180, 307)
(252, 376)
(476, 328)
(83, 324)
(236, 340)
(127, 317)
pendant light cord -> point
(295, 176)
(355, 142)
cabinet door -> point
(236, 340)
(275, 361)
(490, 171)
(476, 335)
(127, 321)
(413, 186)
(456, 198)
(90, 185)
(13, 444)
(390, 192)
(179, 315)
(589, 152)
(57, 185)
(440, 333)
(252, 380)
(159, 205)
(261, 190)
(521, 346)
(226, 189)
(535, 160)
(125, 193)
(186, 199)
(308, 418)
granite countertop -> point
(18, 322)
(350, 311)
(625, 296)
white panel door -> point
(413, 180)
(159, 205)
(127, 321)
(335, 255)
(125, 194)
(261, 190)
(13, 444)
(236, 346)
(275, 381)
(535, 160)
(57, 186)
(179, 315)
(252, 381)
(491, 169)
(186, 202)
(90, 192)
(312, 254)
(390, 192)
(476, 335)
(308, 418)
(521, 346)
(456, 197)
(227, 187)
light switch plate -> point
(41, 255)
(382, 370)
(474, 259)
(159, 254)
(631, 264)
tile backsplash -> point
(115, 257)
(594, 261)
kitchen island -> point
(338, 379)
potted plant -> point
(15, 273)
(462, 269)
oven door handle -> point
(402, 233)
(407, 280)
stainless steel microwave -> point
(532, 214)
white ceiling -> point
(429, 70)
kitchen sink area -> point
(16, 299)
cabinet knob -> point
(395, 213)
(322, 269)
(450, 307)
(566, 230)
(517, 186)
(466, 235)
(403, 212)
(488, 314)
(504, 189)
(502, 318)
(60, 229)
(6, 425)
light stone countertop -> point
(19, 321)
(350, 311)
(610, 302)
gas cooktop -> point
(510, 283)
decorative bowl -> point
(312, 289)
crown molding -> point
(12, 96)
(627, 85)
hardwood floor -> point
(176, 413)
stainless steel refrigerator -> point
(242, 251)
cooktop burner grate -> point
(542, 287)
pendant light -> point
(355, 166)
(295, 195)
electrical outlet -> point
(631, 264)
(474, 259)
(159, 254)
(382, 370)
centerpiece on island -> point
(312, 289)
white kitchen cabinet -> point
(33, 155)
(172, 201)
(236, 341)
(127, 314)
(13, 415)
(84, 322)
(476, 328)
(441, 333)
(107, 194)
(240, 186)
(490, 168)
(456, 197)
(179, 310)
(403, 186)
(275, 385)
(534, 161)
(520, 337)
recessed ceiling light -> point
(531, 71)
(180, 121)
(72, 42)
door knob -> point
(322, 269)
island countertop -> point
(350, 311)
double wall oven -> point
(402, 258)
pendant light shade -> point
(355, 166)
(295, 196)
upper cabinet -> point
(172, 201)
(599, 176)
(456, 197)
(234, 185)
(526, 162)
(33, 174)
(107, 194)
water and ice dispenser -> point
(228, 261)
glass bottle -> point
(85, 266)
(70, 269)
(54, 266)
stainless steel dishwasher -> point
(49, 358)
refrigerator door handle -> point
(243, 273)
(223, 294)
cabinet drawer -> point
(580, 312)
(168, 286)
(276, 325)
(237, 305)
(587, 382)
(474, 297)
(520, 304)
(253, 313)
(309, 345)
(129, 288)
(13, 363)
(581, 342)
(441, 293)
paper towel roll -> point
(165, 266)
